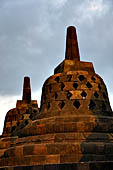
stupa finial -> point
(26, 90)
(72, 50)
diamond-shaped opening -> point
(81, 77)
(48, 105)
(92, 105)
(99, 87)
(75, 85)
(93, 78)
(76, 104)
(104, 95)
(13, 128)
(62, 104)
(69, 77)
(84, 94)
(103, 106)
(56, 95)
(69, 94)
(26, 122)
(31, 116)
(62, 86)
(57, 79)
(22, 117)
(34, 111)
(96, 94)
(89, 85)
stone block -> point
(19, 151)
(70, 158)
(80, 126)
(9, 152)
(28, 150)
(108, 148)
(88, 147)
(40, 149)
(52, 159)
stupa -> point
(72, 130)
(24, 112)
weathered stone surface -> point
(26, 90)
(72, 130)
(25, 111)
(71, 166)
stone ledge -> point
(72, 166)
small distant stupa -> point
(23, 114)
(72, 129)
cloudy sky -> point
(32, 42)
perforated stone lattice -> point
(75, 87)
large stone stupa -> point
(72, 130)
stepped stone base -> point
(72, 166)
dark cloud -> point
(32, 38)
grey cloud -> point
(32, 40)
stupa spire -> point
(72, 50)
(26, 90)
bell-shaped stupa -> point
(73, 130)
(24, 112)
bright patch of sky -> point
(58, 3)
(90, 9)
(98, 7)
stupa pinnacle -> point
(72, 49)
(26, 90)
(72, 57)
(72, 130)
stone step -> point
(53, 159)
(57, 138)
(67, 166)
(36, 128)
(83, 148)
